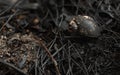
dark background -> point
(75, 54)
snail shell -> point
(85, 25)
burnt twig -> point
(40, 42)
(8, 20)
(13, 67)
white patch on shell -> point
(87, 17)
(73, 24)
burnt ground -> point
(32, 43)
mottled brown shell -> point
(85, 25)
